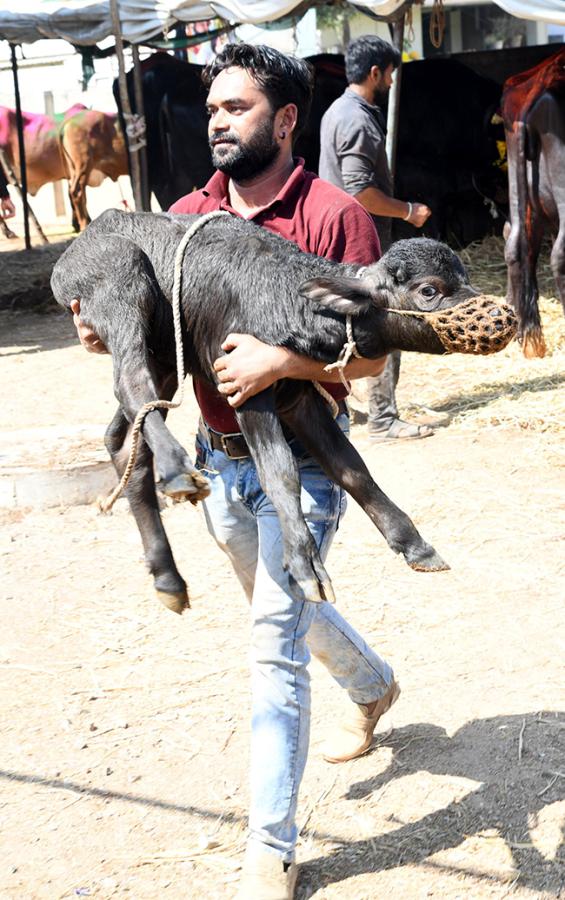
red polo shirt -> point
(319, 217)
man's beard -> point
(380, 96)
(245, 161)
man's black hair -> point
(368, 51)
(282, 78)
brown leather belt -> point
(234, 445)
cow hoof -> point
(177, 602)
(430, 562)
(189, 486)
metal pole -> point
(21, 146)
(140, 110)
(132, 144)
(394, 99)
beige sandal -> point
(401, 431)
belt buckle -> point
(223, 438)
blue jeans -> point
(284, 630)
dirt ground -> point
(125, 728)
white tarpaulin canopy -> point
(85, 22)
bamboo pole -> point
(21, 146)
(132, 144)
(140, 110)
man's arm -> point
(250, 366)
(379, 204)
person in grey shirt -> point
(353, 157)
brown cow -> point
(533, 110)
(83, 145)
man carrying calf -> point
(257, 98)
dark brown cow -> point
(533, 110)
(84, 146)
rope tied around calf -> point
(348, 350)
(107, 503)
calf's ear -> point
(343, 295)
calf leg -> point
(142, 497)
(312, 423)
(134, 386)
(278, 474)
(121, 308)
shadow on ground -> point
(520, 762)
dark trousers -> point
(382, 389)
(382, 395)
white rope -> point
(348, 350)
(106, 504)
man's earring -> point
(283, 135)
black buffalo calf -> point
(238, 277)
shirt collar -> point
(217, 187)
(375, 110)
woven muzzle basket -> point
(480, 325)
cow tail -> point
(533, 343)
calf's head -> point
(431, 306)
(419, 274)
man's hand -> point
(248, 367)
(7, 207)
(419, 215)
(88, 338)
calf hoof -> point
(177, 601)
(315, 586)
(188, 486)
(428, 561)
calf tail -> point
(526, 301)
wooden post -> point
(57, 188)
(394, 100)
(132, 144)
(140, 110)
(21, 146)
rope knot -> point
(348, 350)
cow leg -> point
(141, 493)
(77, 196)
(313, 425)
(8, 233)
(278, 474)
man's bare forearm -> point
(249, 366)
(379, 204)
(306, 369)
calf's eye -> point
(428, 291)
